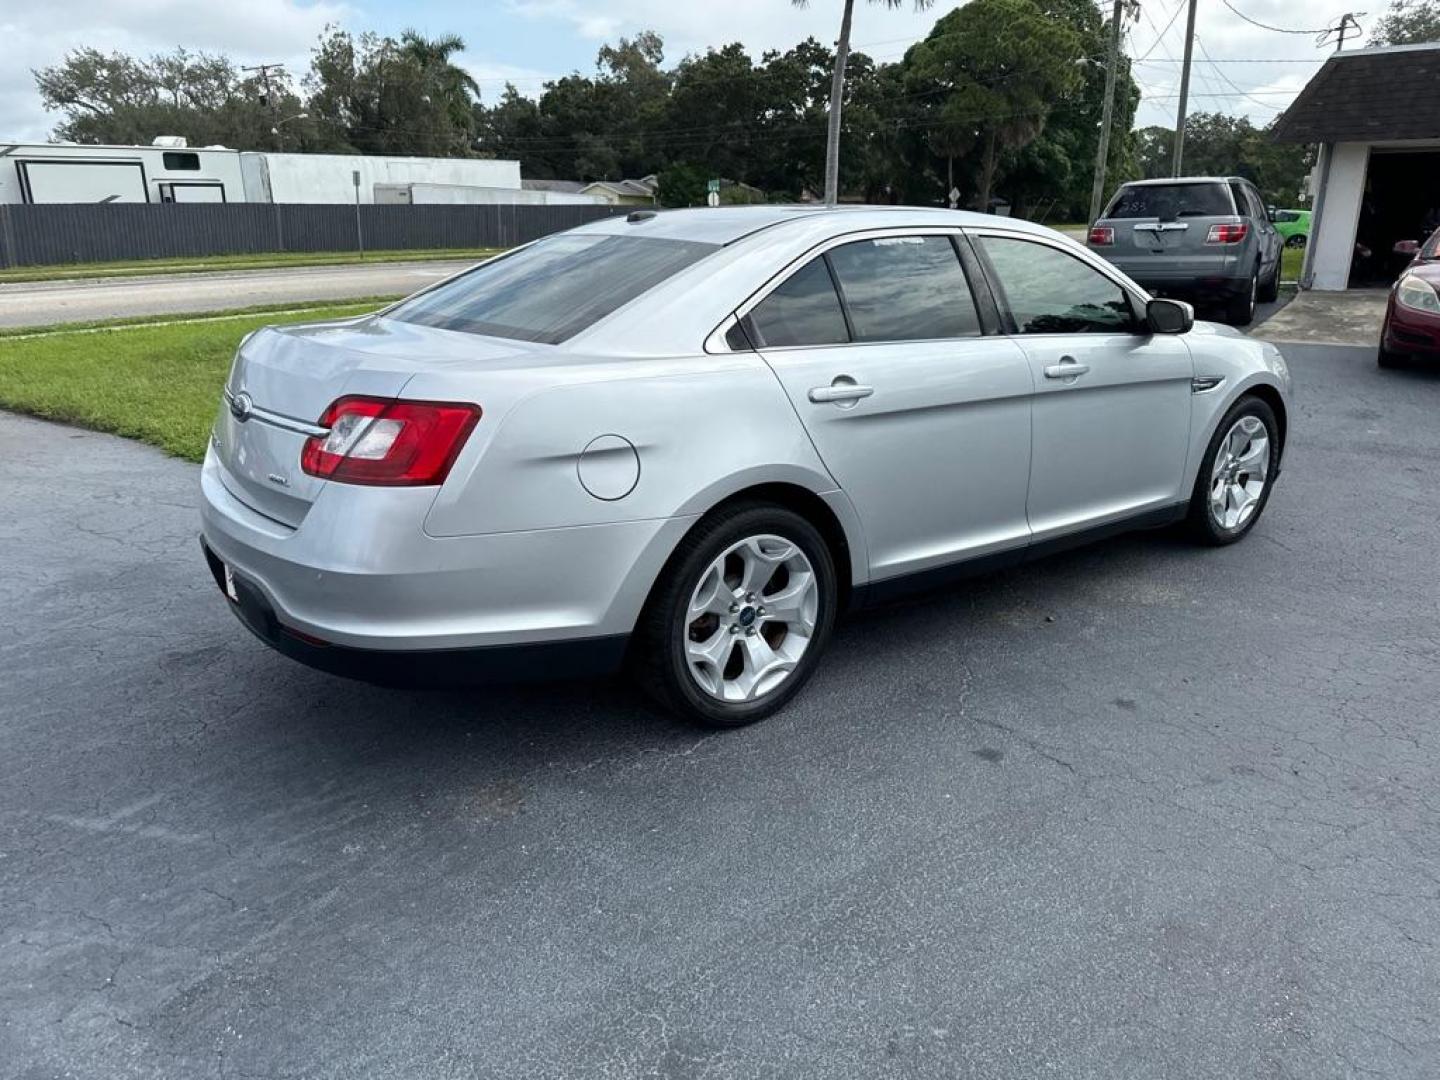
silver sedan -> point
(687, 441)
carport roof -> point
(1368, 95)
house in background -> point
(624, 192)
(640, 192)
(1375, 114)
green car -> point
(1294, 226)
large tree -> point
(376, 95)
(1407, 22)
(990, 73)
(115, 98)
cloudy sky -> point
(1241, 68)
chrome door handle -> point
(840, 393)
(1067, 368)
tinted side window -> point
(179, 162)
(905, 288)
(1050, 292)
(1242, 205)
(804, 310)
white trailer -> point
(330, 178)
(461, 195)
(71, 173)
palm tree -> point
(454, 84)
(837, 91)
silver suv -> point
(1207, 239)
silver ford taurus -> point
(689, 440)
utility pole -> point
(270, 99)
(1102, 154)
(1179, 159)
(1341, 32)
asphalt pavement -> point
(1142, 810)
(41, 303)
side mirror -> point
(1270, 214)
(1169, 317)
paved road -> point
(43, 302)
(1140, 811)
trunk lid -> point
(283, 379)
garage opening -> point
(1399, 210)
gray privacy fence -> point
(95, 232)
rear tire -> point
(1297, 241)
(1270, 291)
(1236, 475)
(737, 621)
(1240, 311)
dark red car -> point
(1412, 316)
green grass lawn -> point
(233, 262)
(1290, 263)
(159, 384)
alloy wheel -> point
(1240, 473)
(750, 618)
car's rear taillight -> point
(1101, 236)
(1227, 234)
(385, 442)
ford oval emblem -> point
(241, 406)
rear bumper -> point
(359, 573)
(1196, 276)
(578, 658)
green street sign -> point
(713, 185)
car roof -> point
(727, 224)
(1164, 181)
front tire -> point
(1390, 360)
(738, 620)
(1236, 474)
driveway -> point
(1138, 811)
(40, 303)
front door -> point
(923, 422)
(1112, 401)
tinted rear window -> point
(905, 288)
(552, 289)
(803, 310)
(1170, 201)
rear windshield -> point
(552, 289)
(1170, 201)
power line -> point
(1160, 35)
(1245, 94)
(1266, 26)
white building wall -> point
(1334, 241)
(328, 178)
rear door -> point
(1112, 402)
(1267, 240)
(922, 418)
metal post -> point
(1102, 154)
(1179, 159)
(359, 234)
